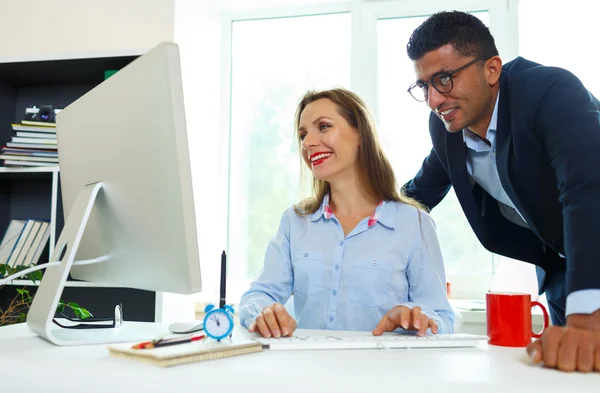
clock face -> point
(217, 324)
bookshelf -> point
(38, 169)
(34, 192)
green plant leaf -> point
(78, 313)
(85, 313)
(6, 270)
(25, 296)
(73, 305)
(61, 306)
(34, 276)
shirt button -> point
(337, 267)
(305, 254)
(334, 292)
(330, 319)
(341, 242)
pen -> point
(166, 342)
(222, 290)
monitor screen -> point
(127, 138)
(129, 133)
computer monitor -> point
(127, 194)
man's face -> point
(468, 103)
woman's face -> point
(329, 142)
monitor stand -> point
(45, 301)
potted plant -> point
(16, 311)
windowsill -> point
(200, 306)
(469, 314)
(473, 315)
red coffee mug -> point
(509, 319)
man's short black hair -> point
(467, 34)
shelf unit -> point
(70, 283)
(38, 169)
(34, 192)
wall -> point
(32, 28)
(198, 32)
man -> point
(520, 144)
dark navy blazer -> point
(548, 159)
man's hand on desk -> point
(406, 318)
(274, 321)
(575, 347)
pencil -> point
(167, 342)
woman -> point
(357, 255)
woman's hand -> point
(406, 318)
(274, 321)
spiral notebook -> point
(186, 353)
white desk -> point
(31, 364)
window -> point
(558, 33)
(567, 30)
(274, 61)
(404, 129)
(275, 55)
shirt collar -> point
(382, 214)
(474, 142)
(324, 210)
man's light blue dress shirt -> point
(350, 282)
(481, 165)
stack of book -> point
(24, 242)
(34, 144)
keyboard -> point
(387, 341)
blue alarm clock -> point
(218, 322)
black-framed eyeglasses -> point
(441, 81)
(93, 322)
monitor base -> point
(127, 332)
(46, 299)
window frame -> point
(503, 23)
(228, 18)
(501, 14)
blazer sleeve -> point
(431, 184)
(569, 118)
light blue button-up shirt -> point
(481, 165)
(350, 282)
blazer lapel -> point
(505, 154)
(457, 165)
(503, 145)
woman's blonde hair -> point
(374, 170)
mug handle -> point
(545, 312)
